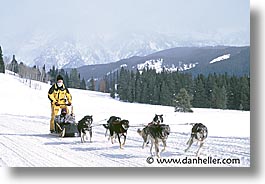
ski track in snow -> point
(25, 140)
(38, 149)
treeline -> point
(24, 71)
(212, 91)
(32, 73)
(72, 80)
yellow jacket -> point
(59, 94)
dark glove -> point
(69, 104)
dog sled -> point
(65, 124)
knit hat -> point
(64, 111)
(59, 77)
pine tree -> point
(23, 71)
(53, 74)
(165, 95)
(83, 84)
(210, 83)
(35, 73)
(219, 97)
(244, 93)
(199, 98)
(138, 85)
(43, 74)
(156, 97)
(113, 90)
(131, 87)
(2, 64)
(232, 91)
(151, 83)
(223, 98)
(214, 96)
(241, 107)
(66, 79)
(14, 65)
(123, 84)
(144, 87)
(74, 81)
(91, 84)
(182, 101)
(144, 96)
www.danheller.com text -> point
(197, 160)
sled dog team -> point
(155, 132)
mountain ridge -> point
(75, 50)
(194, 60)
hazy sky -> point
(18, 17)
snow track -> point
(18, 148)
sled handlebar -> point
(64, 104)
(72, 109)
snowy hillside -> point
(25, 139)
(193, 60)
(158, 66)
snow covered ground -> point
(25, 139)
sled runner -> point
(65, 124)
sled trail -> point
(18, 148)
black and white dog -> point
(157, 119)
(84, 126)
(118, 127)
(199, 133)
(156, 133)
(144, 133)
(111, 119)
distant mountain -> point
(194, 60)
(74, 50)
(64, 51)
